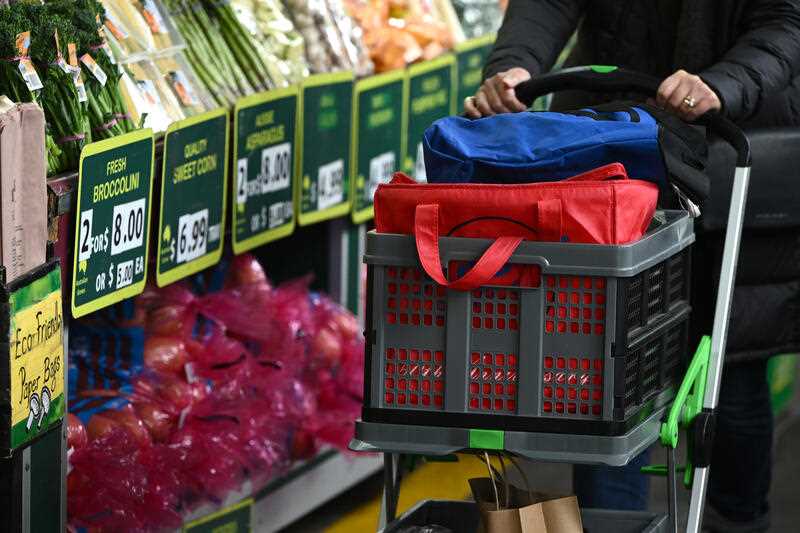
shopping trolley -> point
(587, 366)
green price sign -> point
(470, 57)
(193, 193)
(379, 136)
(323, 169)
(113, 221)
(430, 97)
(264, 147)
(234, 519)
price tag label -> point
(264, 151)
(193, 196)
(111, 238)
(324, 162)
(431, 96)
(379, 119)
(233, 519)
(470, 57)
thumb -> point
(515, 76)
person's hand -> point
(496, 95)
(687, 96)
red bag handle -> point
(426, 233)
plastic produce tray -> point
(463, 517)
(575, 339)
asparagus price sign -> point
(470, 57)
(430, 97)
(379, 116)
(323, 187)
(193, 196)
(113, 221)
(264, 151)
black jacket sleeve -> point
(762, 62)
(533, 34)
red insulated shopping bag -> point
(602, 206)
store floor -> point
(357, 510)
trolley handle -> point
(599, 78)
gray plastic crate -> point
(463, 517)
(575, 339)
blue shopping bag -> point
(547, 146)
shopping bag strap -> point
(426, 233)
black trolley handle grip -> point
(608, 79)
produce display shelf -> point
(307, 486)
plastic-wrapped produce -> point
(478, 17)
(352, 39)
(400, 32)
(312, 20)
(148, 97)
(282, 36)
(192, 96)
(210, 383)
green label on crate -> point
(470, 58)
(264, 151)
(430, 97)
(36, 352)
(113, 221)
(379, 116)
(193, 193)
(324, 163)
(234, 519)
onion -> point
(127, 419)
(168, 320)
(165, 354)
(328, 347)
(303, 445)
(157, 421)
(246, 270)
(346, 323)
(100, 425)
(76, 432)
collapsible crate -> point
(575, 339)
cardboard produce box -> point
(23, 188)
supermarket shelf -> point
(309, 486)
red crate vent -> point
(572, 386)
(414, 378)
(493, 382)
(575, 304)
(414, 299)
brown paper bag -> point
(23, 189)
(526, 512)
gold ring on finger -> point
(690, 102)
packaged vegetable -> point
(400, 32)
(191, 96)
(479, 17)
